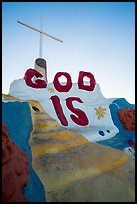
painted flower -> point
(100, 112)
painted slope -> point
(69, 166)
(107, 129)
(92, 101)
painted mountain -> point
(66, 144)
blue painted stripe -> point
(17, 117)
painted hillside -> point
(62, 164)
(65, 142)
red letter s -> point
(82, 118)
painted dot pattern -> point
(102, 132)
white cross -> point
(41, 32)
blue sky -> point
(98, 37)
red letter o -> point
(60, 87)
